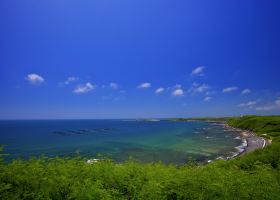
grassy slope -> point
(253, 176)
(266, 126)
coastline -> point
(250, 140)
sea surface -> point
(145, 141)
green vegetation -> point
(253, 176)
(265, 126)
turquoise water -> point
(146, 141)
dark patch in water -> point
(83, 131)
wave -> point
(241, 148)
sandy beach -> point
(253, 141)
(249, 140)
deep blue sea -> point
(146, 141)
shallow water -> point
(146, 141)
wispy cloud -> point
(69, 80)
(265, 108)
(178, 92)
(202, 88)
(207, 99)
(199, 88)
(248, 104)
(159, 90)
(177, 86)
(277, 102)
(230, 89)
(84, 88)
(246, 91)
(273, 106)
(198, 71)
(34, 79)
(114, 86)
(144, 85)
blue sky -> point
(127, 59)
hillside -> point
(265, 126)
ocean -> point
(145, 141)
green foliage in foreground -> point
(253, 176)
(265, 126)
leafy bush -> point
(73, 178)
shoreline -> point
(250, 140)
(253, 140)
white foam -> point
(94, 160)
(264, 143)
(242, 146)
(220, 158)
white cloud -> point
(202, 88)
(178, 92)
(199, 88)
(144, 85)
(246, 91)
(84, 88)
(114, 86)
(198, 71)
(230, 89)
(207, 98)
(34, 79)
(159, 90)
(249, 104)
